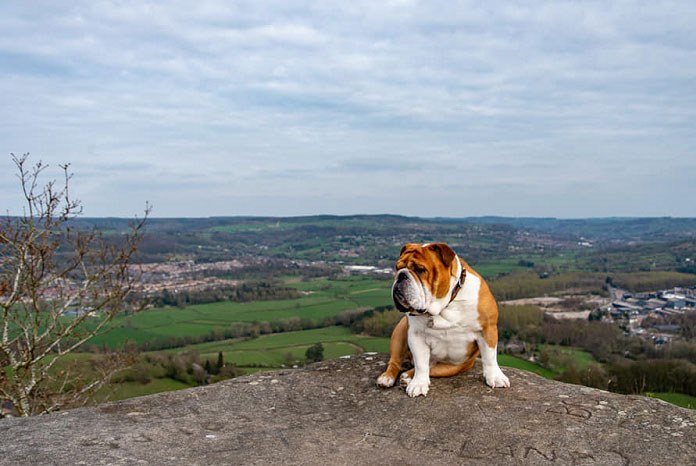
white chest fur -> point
(449, 334)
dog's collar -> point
(459, 285)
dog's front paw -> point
(385, 380)
(495, 378)
(417, 387)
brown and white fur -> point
(448, 321)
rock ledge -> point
(332, 413)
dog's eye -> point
(418, 269)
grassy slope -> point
(679, 399)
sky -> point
(423, 108)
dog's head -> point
(425, 276)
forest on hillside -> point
(593, 245)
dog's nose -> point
(401, 276)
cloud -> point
(298, 100)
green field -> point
(323, 298)
(506, 360)
(283, 349)
(679, 399)
(266, 352)
(125, 390)
(564, 356)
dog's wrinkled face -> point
(425, 275)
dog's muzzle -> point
(399, 300)
(399, 297)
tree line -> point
(245, 293)
(186, 367)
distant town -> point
(630, 310)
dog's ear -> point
(443, 251)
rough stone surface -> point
(332, 413)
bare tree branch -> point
(59, 287)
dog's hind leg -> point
(447, 370)
(442, 369)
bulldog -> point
(451, 317)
